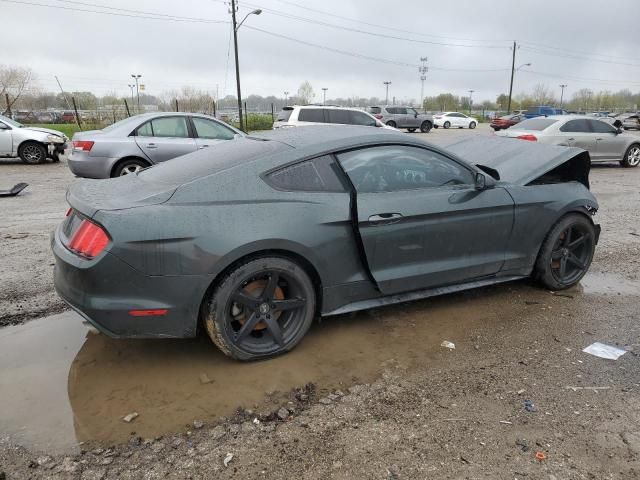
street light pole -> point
(470, 100)
(324, 95)
(236, 27)
(423, 76)
(286, 98)
(131, 86)
(386, 98)
(137, 77)
(562, 86)
(513, 71)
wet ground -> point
(412, 409)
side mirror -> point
(415, 115)
(483, 182)
(617, 124)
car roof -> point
(332, 107)
(303, 137)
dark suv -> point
(402, 117)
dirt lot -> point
(369, 395)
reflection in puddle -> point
(605, 283)
(60, 385)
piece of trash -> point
(256, 421)
(540, 456)
(595, 389)
(448, 344)
(197, 424)
(227, 459)
(15, 190)
(204, 379)
(131, 417)
(565, 295)
(521, 391)
(523, 444)
(601, 350)
(505, 422)
(529, 406)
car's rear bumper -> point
(105, 290)
(83, 165)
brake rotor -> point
(255, 289)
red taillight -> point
(529, 137)
(89, 240)
(84, 145)
(148, 313)
(68, 212)
(378, 116)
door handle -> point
(151, 145)
(385, 218)
(571, 139)
(598, 139)
(203, 146)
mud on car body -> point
(256, 238)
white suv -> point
(302, 115)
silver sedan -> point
(143, 140)
(603, 141)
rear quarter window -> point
(316, 175)
(375, 110)
(283, 115)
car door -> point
(208, 132)
(609, 145)
(357, 117)
(401, 117)
(6, 142)
(164, 138)
(412, 120)
(577, 133)
(421, 221)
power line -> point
(579, 52)
(582, 79)
(542, 52)
(147, 16)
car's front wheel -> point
(472, 125)
(446, 124)
(32, 153)
(631, 157)
(566, 253)
(425, 127)
(262, 308)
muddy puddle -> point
(61, 384)
(598, 283)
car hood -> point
(45, 130)
(518, 161)
(130, 191)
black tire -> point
(248, 296)
(32, 153)
(129, 166)
(435, 126)
(631, 157)
(472, 125)
(446, 124)
(566, 253)
(411, 130)
(391, 123)
(425, 127)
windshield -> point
(537, 124)
(8, 121)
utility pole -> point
(137, 77)
(324, 95)
(131, 86)
(513, 71)
(386, 98)
(286, 98)
(470, 100)
(562, 86)
(423, 76)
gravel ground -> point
(446, 414)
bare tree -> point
(542, 95)
(13, 82)
(306, 93)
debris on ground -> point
(529, 406)
(523, 444)
(197, 424)
(594, 389)
(15, 190)
(227, 459)
(601, 350)
(521, 391)
(540, 456)
(506, 422)
(204, 379)
(131, 417)
(448, 344)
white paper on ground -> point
(604, 351)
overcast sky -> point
(576, 42)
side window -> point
(316, 175)
(361, 118)
(206, 128)
(311, 115)
(401, 110)
(600, 127)
(576, 126)
(400, 167)
(338, 116)
(145, 130)
(174, 127)
(392, 110)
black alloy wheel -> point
(261, 309)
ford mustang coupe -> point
(255, 239)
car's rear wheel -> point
(446, 124)
(261, 309)
(566, 253)
(631, 156)
(391, 123)
(411, 130)
(425, 127)
(128, 167)
(472, 125)
(32, 153)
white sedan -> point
(454, 119)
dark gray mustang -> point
(255, 239)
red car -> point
(506, 121)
